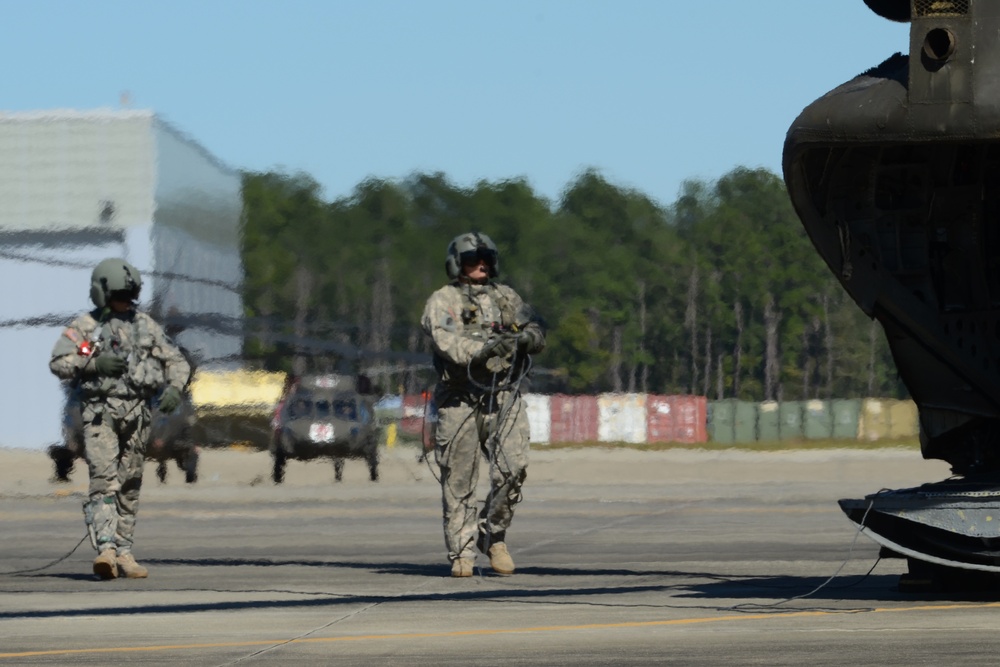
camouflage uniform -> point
(116, 411)
(473, 402)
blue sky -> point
(649, 92)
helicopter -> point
(893, 175)
(325, 415)
(171, 439)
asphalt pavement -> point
(623, 557)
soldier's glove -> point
(110, 365)
(530, 341)
(170, 399)
(498, 346)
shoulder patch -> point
(72, 334)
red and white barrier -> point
(633, 418)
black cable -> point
(512, 389)
(861, 527)
(492, 446)
(48, 565)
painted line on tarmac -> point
(486, 632)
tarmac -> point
(687, 557)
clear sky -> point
(649, 92)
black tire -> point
(161, 471)
(63, 460)
(191, 466)
(278, 472)
(372, 459)
(338, 469)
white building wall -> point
(43, 293)
(196, 240)
(79, 186)
(61, 168)
(207, 304)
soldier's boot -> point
(500, 559)
(131, 569)
(105, 565)
(462, 567)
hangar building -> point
(79, 186)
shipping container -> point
(790, 415)
(874, 422)
(903, 420)
(676, 419)
(846, 413)
(722, 421)
(574, 418)
(692, 418)
(817, 420)
(539, 417)
(622, 418)
(660, 419)
(746, 422)
(768, 421)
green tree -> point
(720, 293)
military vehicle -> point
(325, 416)
(171, 439)
(896, 178)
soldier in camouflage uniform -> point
(482, 333)
(119, 359)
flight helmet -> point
(114, 275)
(468, 246)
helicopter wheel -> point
(373, 463)
(338, 469)
(191, 466)
(63, 459)
(161, 471)
(278, 473)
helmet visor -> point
(473, 257)
(123, 295)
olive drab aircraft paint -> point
(172, 438)
(896, 178)
(325, 415)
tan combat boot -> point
(130, 569)
(500, 559)
(462, 567)
(105, 565)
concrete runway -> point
(624, 557)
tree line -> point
(719, 293)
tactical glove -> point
(530, 341)
(110, 365)
(170, 399)
(499, 346)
